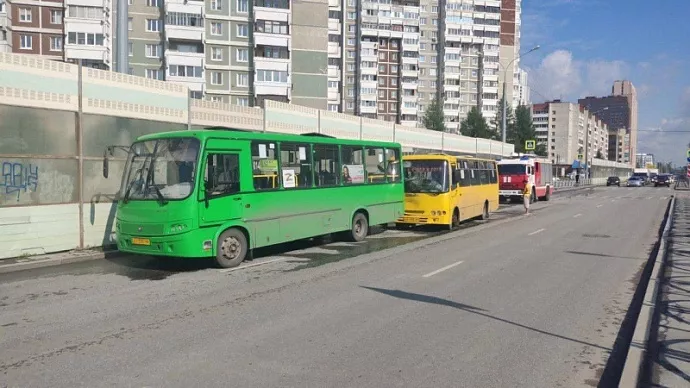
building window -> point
(153, 3)
(271, 52)
(55, 43)
(129, 24)
(216, 29)
(217, 54)
(153, 25)
(243, 6)
(82, 12)
(153, 50)
(185, 19)
(186, 71)
(25, 42)
(56, 17)
(216, 99)
(280, 4)
(82, 38)
(242, 79)
(216, 78)
(25, 15)
(154, 74)
(271, 76)
(216, 5)
(131, 49)
(242, 55)
(242, 101)
(242, 30)
(271, 27)
(332, 107)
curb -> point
(635, 361)
(55, 261)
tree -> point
(434, 118)
(522, 130)
(475, 125)
(600, 155)
(540, 150)
(497, 123)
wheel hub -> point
(231, 247)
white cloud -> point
(560, 75)
(668, 141)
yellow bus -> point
(446, 190)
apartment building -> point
(388, 59)
(644, 160)
(568, 131)
(619, 111)
(4, 44)
(521, 90)
(241, 52)
(618, 144)
(30, 27)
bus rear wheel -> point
(232, 248)
(455, 220)
(360, 227)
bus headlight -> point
(177, 228)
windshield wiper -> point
(150, 177)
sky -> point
(588, 44)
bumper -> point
(424, 220)
(188, 244)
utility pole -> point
(121, 28)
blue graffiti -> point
(17, 178)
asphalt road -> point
(533, 302)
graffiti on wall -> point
(18, 178)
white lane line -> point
(577, 215)
(442, 269)
(600, 205)
(536, 231)
(253, 265)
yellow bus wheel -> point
(455, 220)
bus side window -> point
(295, 165)
(494, 177)
(223, 173)
(393, 165)
(265, 165)
(457, 178)
(352, 159)
(375, 164)
(326, 165)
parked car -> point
(635, 181)
(662, 180)
(613, 181)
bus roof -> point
(224, 133)
(443, 157)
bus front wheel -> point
(232, 248)
(360, 228)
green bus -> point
(222, 193)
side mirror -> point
(105, 165)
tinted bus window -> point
(265, 165)
(326, 166)
(295, 165)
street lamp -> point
(505, 77)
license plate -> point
(140, 241)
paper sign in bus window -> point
(262, 151)
(288, 178)
(302, 153)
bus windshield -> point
(512, 169)
(160, 170)
(426, 176)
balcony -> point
(261, 38)
(3, 19)
(333, 94)
(409, 110)
(409, 123)
(410, 85)
(334, 26)
(333, 50)
(409, 73)
(333, 72)
(184, 58)
(410, 60)
(192, 33)
(195, 8)
(367, 109)
(369, 70)
(93, 53)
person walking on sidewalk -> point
(526, 195)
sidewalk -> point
(670, 346)
(52, 259)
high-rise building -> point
(522, 91)
(241, 52)
(569, 130)
(645, 161)
(4, 44)
(619, 110)
(389, 59)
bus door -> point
(222, 195)
(454, 191)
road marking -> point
(600, 205)
(535, 232)
(577, 215)
(253, 265)
(442, 269)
